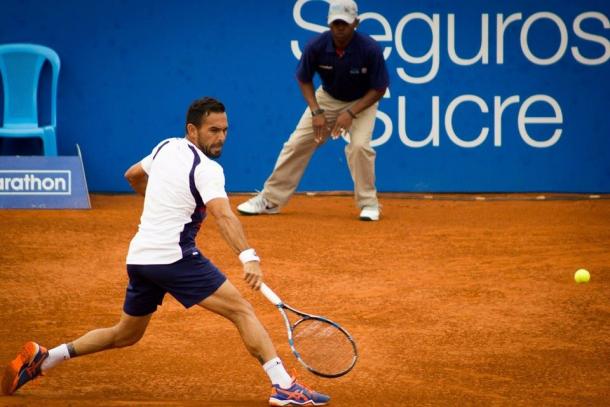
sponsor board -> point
(43, 182)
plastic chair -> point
(20, 66)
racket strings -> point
(323, 347)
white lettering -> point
(482, 55)
(433, 135)
(563, 44)
(500, 28)
(296, 14)
(432, 54)
(523, 120)
(387, 30)
(34, 182)
(499, 107)
(60, 184)
(48, 184)
(449, 121)
(17, 184)
(30, 183)
(420, 64)
(591, 37)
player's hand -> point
(320, 128)
(253, 274)
(342, 125)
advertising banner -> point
(35, 182)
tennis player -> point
(181, 184)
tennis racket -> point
(321, 345)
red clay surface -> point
(451, 303)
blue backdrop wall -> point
(509, 95)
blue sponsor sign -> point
(35, 182)
(484, 96)
(43, 182)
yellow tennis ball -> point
(582, 276)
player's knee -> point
(242, 310)
(128, 340)
(125, 337)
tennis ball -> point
(582, 276)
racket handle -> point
(270, 295)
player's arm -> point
(137, 178)
(233, 233)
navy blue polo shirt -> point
(350, 76)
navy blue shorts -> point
(189, 280)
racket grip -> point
(270, 295)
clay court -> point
(452, 301)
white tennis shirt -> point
(181, 180)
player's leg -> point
(361, 161)
(229, 303)
(142, 297)
(141, 300)
(128, 331)
(34, 359)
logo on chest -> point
(356, 71)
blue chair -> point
(20, 66)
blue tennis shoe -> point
(296, 395)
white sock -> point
(277, 373)
(56, 356)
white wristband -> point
(248, 255)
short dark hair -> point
(200, 109)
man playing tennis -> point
(181, 184)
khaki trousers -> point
(299, 148)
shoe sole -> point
(367, 219)
(11, 372)
(257, 213)
(280, 403)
